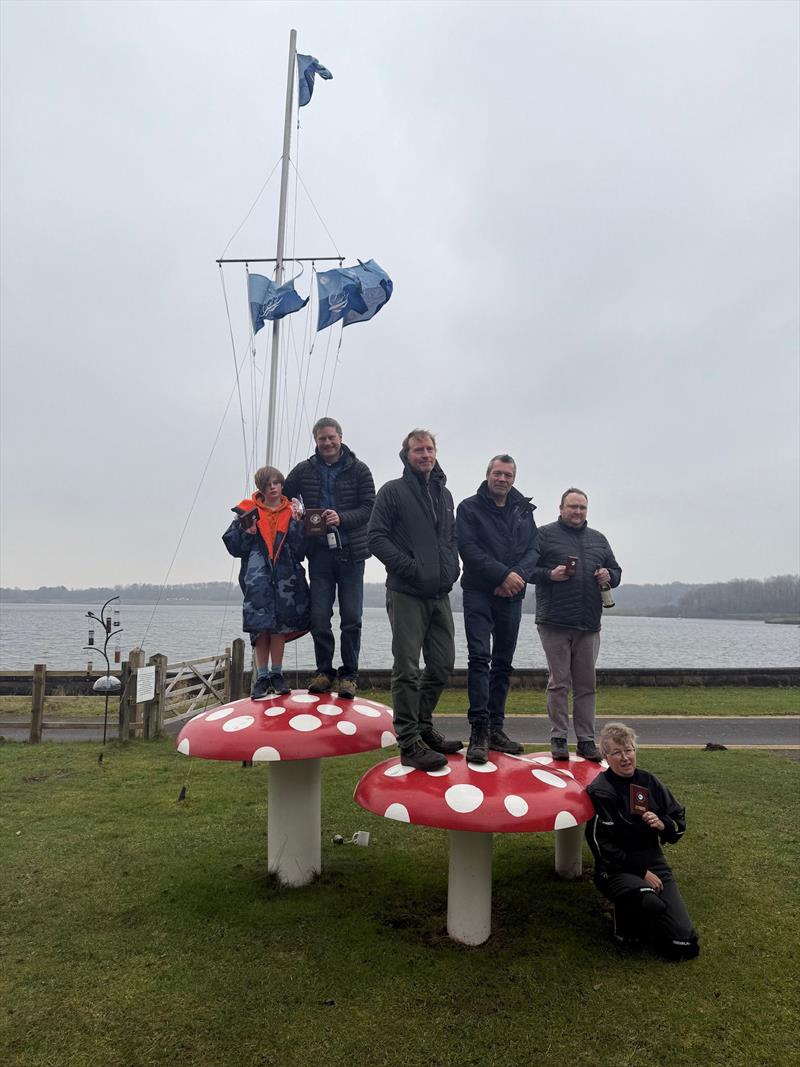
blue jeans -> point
(492, 626)
(335, 578)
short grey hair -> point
(320, 424)
(502, 458)
(616, 733)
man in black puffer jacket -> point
(575, 562)
(412, 532)
(337, 481)
(497, 542)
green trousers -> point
(419, 624)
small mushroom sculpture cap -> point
(508, 794)
(297, 726)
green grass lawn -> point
(617, 700)
(139, 930)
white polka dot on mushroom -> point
(441, 773)
(545, 761)
(272, 712)
(184, 746)
(304, 698)
(577, 759)
(397, 771)
(550, 779)
(305, 723)
(241, 722)
(567, 774)
(483, 768)
(328, 709)
(564, 819)
(348, 728)
(463, 798)
(364, 709)
(397, 811)
(388, 738)
(265, 753)
(220, 713)
(516, 806)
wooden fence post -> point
(226, 677)
(237, 670)
(154, 710)
(37, 705)
(125, 680)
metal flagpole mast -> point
(276, 325)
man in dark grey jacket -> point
(497, 542)
(575, 563)
(412, 532)
(337, 481)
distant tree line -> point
(776, 597)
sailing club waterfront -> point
(56, 633)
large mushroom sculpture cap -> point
(291, 733)
(507, 794)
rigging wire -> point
(236, 373)
(252, 206)
(308, 194)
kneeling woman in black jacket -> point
(634, 814)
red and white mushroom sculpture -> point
(508, 794)
(292, 733)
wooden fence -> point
(181, 690)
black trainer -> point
(558, 748)
(590, 751)
(433, 739)
(478, 748)
(279, 684)
(501, 742)
(262, 688)
(423, 758)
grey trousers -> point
(571, 656)
(419, 624)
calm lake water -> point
(55, 634)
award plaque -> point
(640, 798)
(571, 565)
(313, 522)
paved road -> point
(779, 731)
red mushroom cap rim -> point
(507, 794)
(299, 725)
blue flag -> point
(339, 294)
(354, 294)
(307, 67)
(376, 288)
(271, 301)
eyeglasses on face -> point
(619, 752)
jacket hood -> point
(436, 470)
(514, 496)
(255, 501)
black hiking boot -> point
(433, 739)
(478, 748)
(590, 751)
(423, 758)
(499, 741)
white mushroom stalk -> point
(475, 800)
(292, 733)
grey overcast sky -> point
(589, 211)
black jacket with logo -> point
(354, 490)
(412, 532)
(494, 541)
